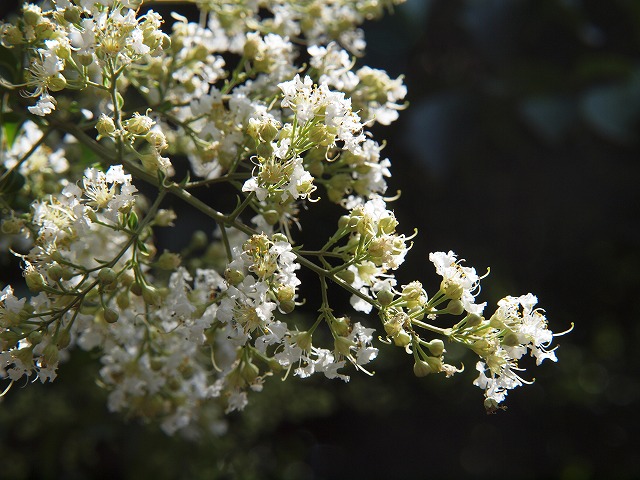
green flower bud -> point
(402, 339)
(435, 363)
(32, 14)
(264, 150)
(168, 261)
(271, 217)
(110, 315)
(151, 296)
(285, 293)
(421, 368)
(165, 218)
(122, 300)
(35, 281)
(436, 347)
(35, 337)
(234, 277)
(455, 307)
(510, 339)
(385, 297)
(136, 288)
(139, 124)
(107, 276)
(287, 306)
(105, 126)
(473, 320)
(57, 82)
(199, 239)
(346, 275)
(451, 290)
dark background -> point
(519, 151)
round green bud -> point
(436, 347)
(57, 82)
(199, 239)
(107, 276)
(402, 339)
(35, 337)
(346, 275)
(385, 297)
(421, 368)
(136, 288)
(435, 363)
(151, 296)
(35, 281)
(287, 306)
(105, 125)
(233, 276)
(455, 307)
(271, 217)
(110, 315)
(122, 300)
(473, 320)
(510, 340)
(264, 150)
(304, 340)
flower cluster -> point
(128, 118)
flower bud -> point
(385, 297)
(287, 306)
(56, 82)
(199, 239)
(136, 288)
(105, 126)
(346, 275)
(107, 276)
(436, 347)
(402, 339)
(168, 261)
(421, 368)
(233, 276)
(110, 315)
(271, 217)
(435, 363)
(165, 218)
(139, 124)
(122, 300)
(35, 281)
(35, 337)
(473, 320)
(455, 307)
(151, 296)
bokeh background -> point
(520, 150)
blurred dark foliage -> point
(519, 150)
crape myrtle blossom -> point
(260, 104)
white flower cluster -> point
(226, 104)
